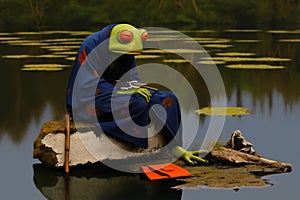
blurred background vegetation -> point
(78, 14)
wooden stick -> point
(67, 143)
(234, 156)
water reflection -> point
(99, 182)
(26, 93)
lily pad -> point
(42, 69)
(253, 66)
(211, 62)
(175, 61)
(146, 56)
(243, 30)
(247, 41)
(65, 53)
(61, 48)
(64, 40)
(284, 31)
(220, 46)
(71, 58)
(45, 66)
(211, 40)
(235, 54)
(33, 56)
(260, 59)
(289, 40)
(223, 111)
(8, 39)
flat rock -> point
(86, 146)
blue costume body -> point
(102, 81)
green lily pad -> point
(247, 41)
(219, 46)
(71, 58)
(243, 30)
(45, 66)
(211, 62)
(284, 31)
(175, 61)
(146, 56)
(253, 66)
(33, 56)
(235, 54)
(223, 111)
(261, 59)
(289, 40)
(42, 69)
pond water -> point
(31, 97)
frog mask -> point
(125, 38)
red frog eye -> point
(145, 36)
(125, 36)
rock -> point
(86, 146)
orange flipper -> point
(164, 171)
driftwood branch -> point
(237, 157)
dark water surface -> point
(29, 98)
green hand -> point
(189, 156)
(142, 91)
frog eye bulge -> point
(145, 36)
(125, 36)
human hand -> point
(189, 157)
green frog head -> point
(127, 39)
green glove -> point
(142, 91)
(189, 156)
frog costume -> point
(125, 41)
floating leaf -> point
(284, 31)
(175, 61)
(289, 40)
(249, 66)
(33, 56)
(60, 48)
(42, 69)
(261, 59)
(220, 46)
(146, 56)
(66, 43)
(64, 40)
(173, 51)
(75, 33)
(70, 58)
(45, 66)
(43, 33)
(211, 62)
(235, 54)
(247, 41)
(243, 30)
(198, 31)
(211, 40)
(9, 39)
(65, 53)
(159, 39)
(223, 111)
(25, 42)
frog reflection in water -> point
(115, 46)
